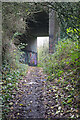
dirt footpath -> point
(30, 98)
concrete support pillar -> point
(53, 31)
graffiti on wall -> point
(31, 58)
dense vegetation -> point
(11, 76)
(62, 69)
(68, 17)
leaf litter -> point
(38, 98)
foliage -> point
(42, 49)
(13, 71)
(19, 13)
(66, 55)
(10, 79)
(67, 15)
(63, 68)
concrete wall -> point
(53, 31)
(32, 45)
(31, 52)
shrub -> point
(65, 57)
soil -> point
(30, 97)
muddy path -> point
(37, 98)
(30, 97)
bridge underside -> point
(41, 24)
(38, 25)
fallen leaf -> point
(21, 104)
(17, 113)
(11, 103)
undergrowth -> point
(11, 75)
(63, 68)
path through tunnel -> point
(42, 25)
(38, 27)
